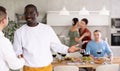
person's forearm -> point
(110, 56)
(81, 38)
(73, 49)
(17, 64)
(61, 48)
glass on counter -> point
(82, 52)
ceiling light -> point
(64, 11)
(83, 11)
(104, 12)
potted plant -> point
(10, 29)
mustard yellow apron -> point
(46, 68)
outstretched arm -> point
(73, 49)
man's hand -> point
(73, 49)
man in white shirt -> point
(34, 40)
(8, 58)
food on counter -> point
(72, 59)
(99, 61)
(76, 59)
(67, 58)
(87, 59)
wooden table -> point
(116, 60)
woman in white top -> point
(8, 58)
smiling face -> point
(82, 24)
(31, 15)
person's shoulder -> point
(21, 28)
(5, 45)
(87, 30)
(104, 42)
(91, 42)
(44, 25)
(4, 41)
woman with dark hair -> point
(73, 32)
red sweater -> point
(87, 38)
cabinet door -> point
(54, 19)
(58, 20)
(98, 20)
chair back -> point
(66, 68)
(108, 67)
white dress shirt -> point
(35, 44)
(8, 58)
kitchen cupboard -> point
(115, 50)
(54, 19)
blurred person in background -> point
(73, 32)
(84, 32)
(99, 47)
(8, 58)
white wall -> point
(115, 10)
(9, 5)
(116, 50)
(76, 5)
(17, 6)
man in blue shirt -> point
(98, 47)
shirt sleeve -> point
(10, 57)
(56, 45)
(108, 50)
(17, 43)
